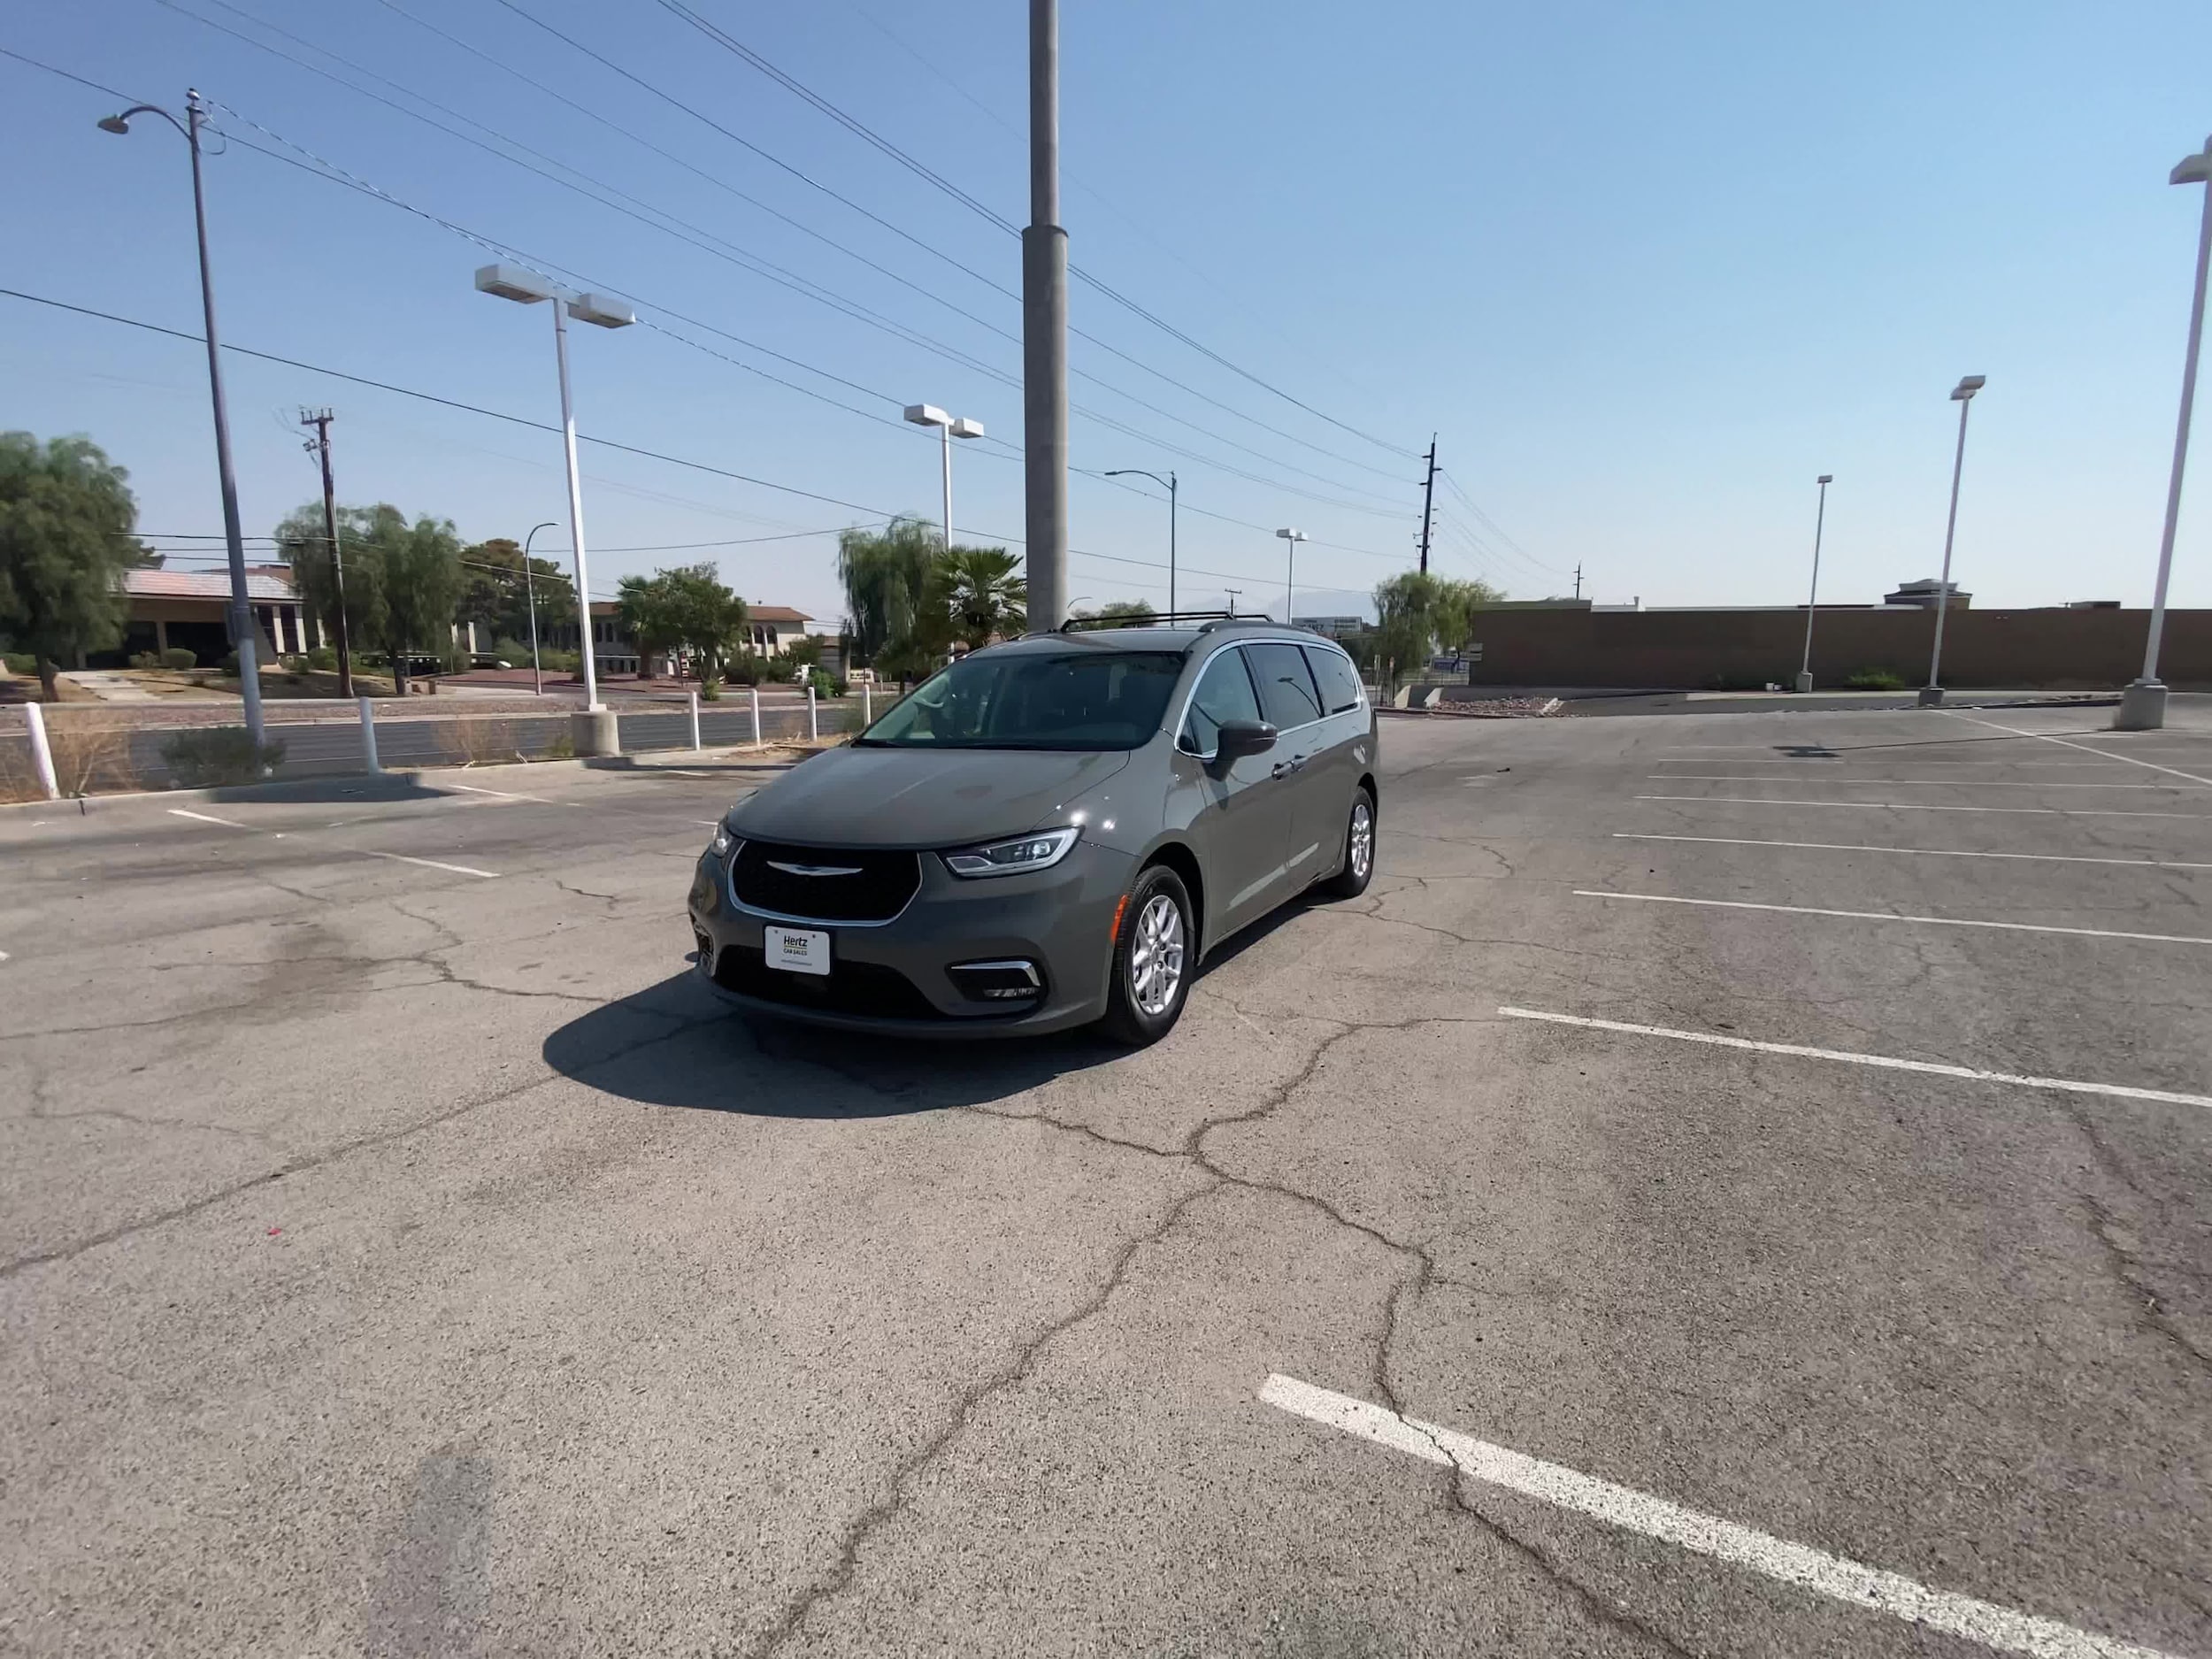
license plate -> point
(796, 950)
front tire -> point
(1352, 877)
(1154, 952)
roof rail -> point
(1155, 619)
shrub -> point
(1876, 679)
(323, 657)
(777, 670)
(742, 670)
(179, 658)
(230, 665)
(513, 651)
(219, 755)
(19, 662)
(710, 689)
(146, 659)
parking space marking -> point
(1934, 783)
(1837, 1576)
(2068, 742)
(1891, 916)
(1923, 806)
(207, 818)
(506, 795)
(1881, 1062)
(1916, 852)
(427, 864)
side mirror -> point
(1239, 738)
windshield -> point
(1091, 699)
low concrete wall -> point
(2056, 650)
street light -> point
(950, 426)
(1290, 571)
(2143, 702)
(526, 288)
(1820, 519)
(1962, 395)
(530, 592)
(240, 615)
(1169, 484)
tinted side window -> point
(1224, 694)
(1337, 678)
(1286, 691)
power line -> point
(707, 242)
(730, 43)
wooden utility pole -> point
(1428, 503)
(318, 446)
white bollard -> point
(42, 753)
(813, 726)
(695, 723)
(755, 716)
(368, 737)
(867, 706)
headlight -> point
(1011, 857)
(719, 846)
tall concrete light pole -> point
(1045, 333)
(1820, 519)
(1290, 573)
(1167, 483)
(594, 730)
(1962, 395)
(2143, 703)
(241, 629)
(950, 426)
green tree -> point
(67, 519)
(1127, 611)
(403, 580)
(885, 575)
(494, 596)
(983, 593)
(687, 609)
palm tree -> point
(983, 593)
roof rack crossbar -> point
(1160, 619)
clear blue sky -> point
(1647, 270)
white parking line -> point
(1923, 806)
(207, 818)
(1933, 783)
(499, 795)
(427, 864)
(1891, 916)
(1916, 852)
(1836, 1577)
(2068, 742)
(1883, 1062)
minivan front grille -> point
(824, 884)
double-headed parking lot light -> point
(1812, 601)
(1290, 572)
(949, 427)
(527, 287)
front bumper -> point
(894, 977)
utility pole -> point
(1578, 578)
(1045, 333)
(318, 446)
(1428, 503)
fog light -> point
(706, 954)
(1012, 981)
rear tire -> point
(1358, 867)
(1154, 952)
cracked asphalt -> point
(401, 1260)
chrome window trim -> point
(1285, 637)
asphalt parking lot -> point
(1736, 1184)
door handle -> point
(1284, 768)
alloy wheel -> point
(1156, 957)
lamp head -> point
(927, 415)
(513, 282)
(603, 311)
(2195, 169)
(1967, 387)
(115, 123)
(1825, 478)
(963, 427)
(1291, 535)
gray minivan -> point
(1046, 833)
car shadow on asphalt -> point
(677, 1044)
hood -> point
(920, 797)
